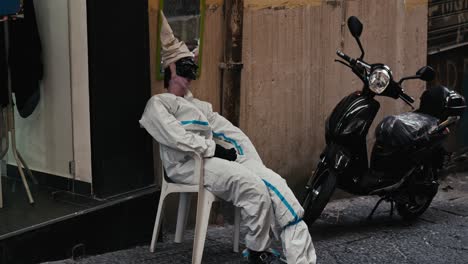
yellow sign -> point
(287, 4)
(411, 4)
(214, 2)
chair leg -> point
(236, 231)
(157, 222)
(201, 226)
(182, 216)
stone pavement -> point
(343, 235)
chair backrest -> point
(164, 174)
(198, 165)
(163, 171)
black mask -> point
(187, 68)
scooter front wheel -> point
(318, 195)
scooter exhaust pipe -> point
(393, 187)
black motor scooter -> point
(407, 154)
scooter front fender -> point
(335, 158)
(317, 172)
(338, 158)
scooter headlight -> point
(379, 80)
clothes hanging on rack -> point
(3, 71)
(25, 60)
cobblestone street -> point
(344, 235)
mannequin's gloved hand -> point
(223, 153)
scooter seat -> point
(399, 131)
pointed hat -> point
(172, 48)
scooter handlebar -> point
(346, 57)
(408, 99)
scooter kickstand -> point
(375, 208)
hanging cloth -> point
(3, 70)
(25, 61)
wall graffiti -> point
(451, 67)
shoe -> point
(263, 258)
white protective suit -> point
(183, 125)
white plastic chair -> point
(205, 200)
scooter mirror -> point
(355, 26)
(426, 73)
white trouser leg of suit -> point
(233, 182)
(295, 237)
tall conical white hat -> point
(172, 48)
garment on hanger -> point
(25, 61)
(3, 71)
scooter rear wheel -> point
(411, 211)
(318, 195)
(419, 200)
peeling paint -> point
(412, 4)
(280, 4)
(214, 2)
(213, 5)
(153, 6)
